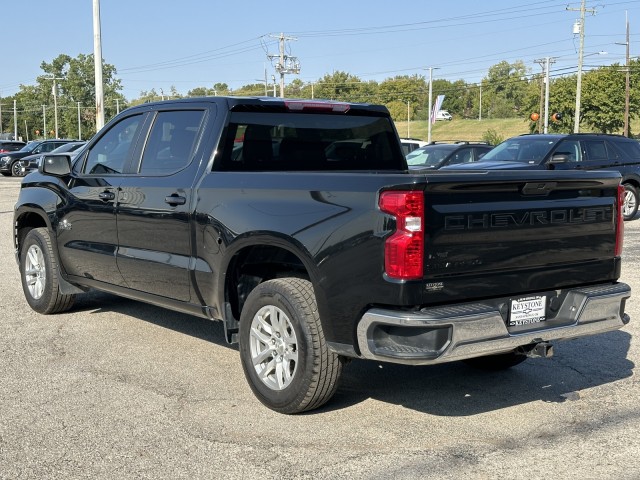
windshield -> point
(521, 149)
(430, 156)
(68, 147)
(30, 147)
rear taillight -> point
(619, 221)
(404, 249)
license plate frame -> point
(528, 310)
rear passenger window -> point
(596, 150)
(172, 142)
(630, 150)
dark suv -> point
(576, 151)
(437, 155)
(9, 164)
(10, 145)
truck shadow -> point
(196, 327)
(452, 389)
(455, 389)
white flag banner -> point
(436, 107)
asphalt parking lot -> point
(121, 389)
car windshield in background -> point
(68, 147)
(29, 147)
(521, 149)
(430, 156)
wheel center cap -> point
(279, 346)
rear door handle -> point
(106, 196)
(175, 199)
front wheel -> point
(39, 274)
(284, 354)
(16, 169)
(630, 203)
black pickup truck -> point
(299, 226)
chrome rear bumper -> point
(445, 334)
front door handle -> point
(175, 199)
(106, 196)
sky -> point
(195, 43)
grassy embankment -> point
(459, 129)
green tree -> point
(76, 84)
(403, 89)
(398, 110)
(338, 86)
(505, 89)
(603, 99)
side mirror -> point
(58, 165)
(559, 158)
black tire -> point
(16, 169)
(39, 274)
(502, 361)
(299, 371)
(630, 205)
(6, 174)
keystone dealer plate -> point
(528, 310)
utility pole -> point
(44, 121)
(627, 91)
(97, 64)
(582, 10)
(546, 62)
(79, 124)
(541, 107)
(55, 105)
(430, 103)
(15, 120)
(480, 109)
(286, 63)
(54, 90)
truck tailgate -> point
(519, 231)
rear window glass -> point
(304, 141)
(630, 150)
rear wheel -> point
(284, 354)
(630, 205)
(39, 274)
(502, 361)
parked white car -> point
(443, 115)
(410, 144)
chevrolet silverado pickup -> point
(298, 225)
